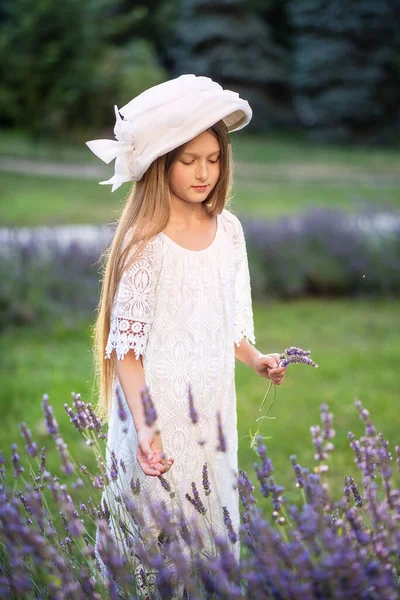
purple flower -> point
(364, 414)
(228, 524)
(293, 359)
(18, 469)
(62, 449)
(51, 423)
(30, 445)
(135, 487)
(192, 411)
(196, 500)
(148, 406)
(327, 422)
(221, 437)
(165, 483)
(121, 408)
(246, 489)
(298, 472)
(206, 482)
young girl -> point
(175, 307)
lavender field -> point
(325, 276)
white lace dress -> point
(183, 311)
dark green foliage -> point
(231, 43)
(346, 67)
(61, 68)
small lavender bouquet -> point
(295, 355)
(291, 356)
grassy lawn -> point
(270, 148)
(28, 200)
(355, 344)
(274, 175)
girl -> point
(175, 307)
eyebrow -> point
(198, 156)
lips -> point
(199, 187)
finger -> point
(269, 362)
(277, 370)
(146, 450)
(147, 470)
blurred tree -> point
(228, 41)
(346, 67)
(275, 14)
(61, 67)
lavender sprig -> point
(292, 355)
(221, 437)
(194, 417)
(196, 500)
(148, 406)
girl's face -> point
(197, 167)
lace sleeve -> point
(134, 305)
(244, 323)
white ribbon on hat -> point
(122, 150)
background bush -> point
(46, 271)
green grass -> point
(280, 147)
(275, 175)
(355, 344)
(271, 148)
(28, 200)
(20, 145)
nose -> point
(201, 171)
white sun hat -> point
(164, 117)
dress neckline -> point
(195, 251)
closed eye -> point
(189, 163)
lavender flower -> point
(196, 500)
(148, 406)
(228, 524)
(31, 446)
(327, 421)
(298, 472)
(318, 440)
(295, 355)
(62, 448)
(121, 408)
(73, 417)
(114, 466)
(206, 482)
(135, 487)
(324, 545)
(364, 414)
(51, 423)
(2, 462)
(165, 483)
(221, 437)
(192, 411)
(18, 469)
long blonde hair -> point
(145, 214)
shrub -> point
(326, 253)
(48, 272)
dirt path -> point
(248, 173)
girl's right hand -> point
(150, 453)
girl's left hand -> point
(266, 365)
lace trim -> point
(126, 335)
(244, 322)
